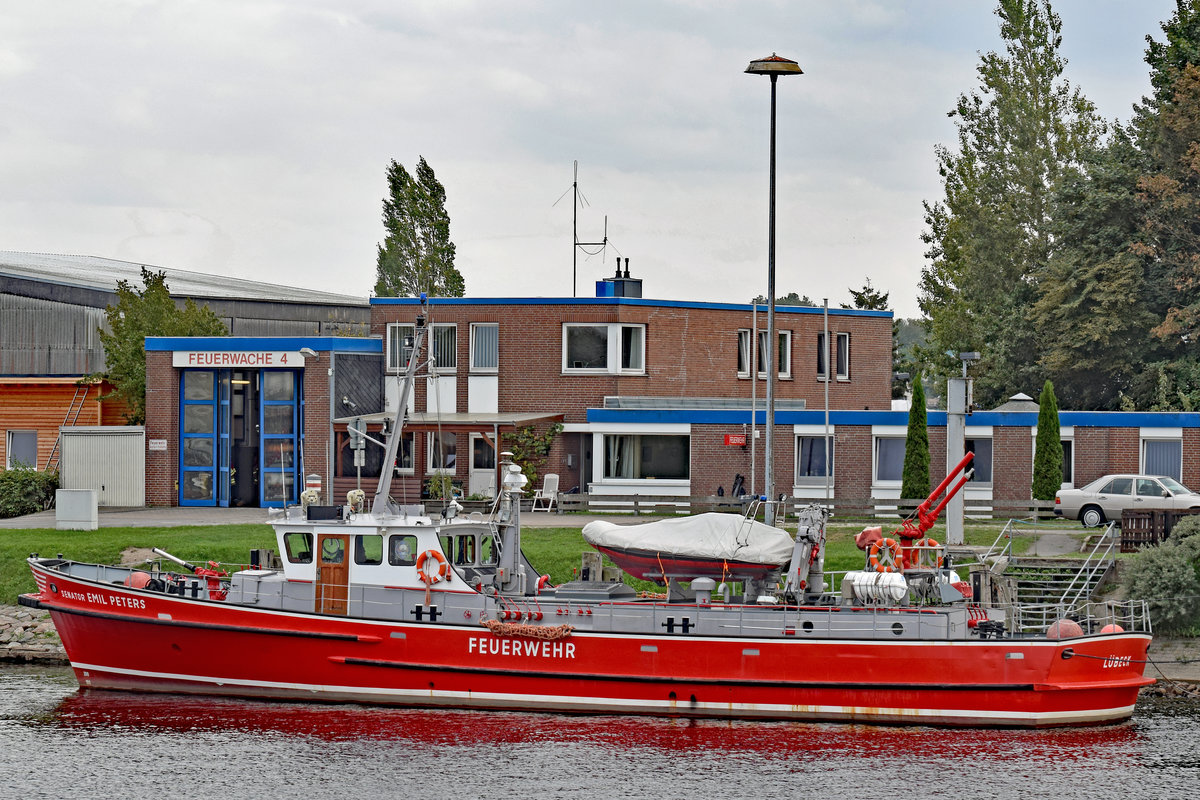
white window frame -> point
(744, 354)
(411, 469)
(8, 448)
(396, 332)
(485, 370)
(1148, 435)
(842, 365)
(438, 367)
(804, 432)
(614, 336)
(785, 346)
(430, 469)
(877, 435)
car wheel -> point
(1091, 517)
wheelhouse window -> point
(485, 347)
(814, 459)
(443, 449)
(368, 549)
(641, 457)
(402, 550)
(604, 348)
(20, 449)
(783, 358)
(298, 547)
(1163, 457)
(982, 448)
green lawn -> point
(553, 551)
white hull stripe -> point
(427, 697)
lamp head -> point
(774, 65)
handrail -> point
(1092, 564)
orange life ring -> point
(889, 562)
(927, 556)
(439, 573)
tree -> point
(914, 482)
(789, 299)
(417, 254)
(989, 237)
(868, 297)
(136, 315)
(1048, 458)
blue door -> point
(279, 422)
(198, 438)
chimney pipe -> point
(626, 267)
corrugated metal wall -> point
(109, 459)
(44, 337)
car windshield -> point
(1175, 486)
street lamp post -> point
(773, 66)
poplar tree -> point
(417, 254)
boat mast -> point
(393, 441)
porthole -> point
(898, 628)
(807, 626)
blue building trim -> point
(591, 302)
(335, 344)
(935, 419)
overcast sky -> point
(250, 139)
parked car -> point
(1105, 498)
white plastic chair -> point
(548, 494)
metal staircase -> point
(1063, 581)
(72, 416)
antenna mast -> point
(575, 233)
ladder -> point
(72, 416)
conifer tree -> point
(914, 484)
(1048, 456)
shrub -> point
(1168, 578)
(24, 490)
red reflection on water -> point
(441, 728)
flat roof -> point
(621, 301)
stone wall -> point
(27, 636)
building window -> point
(813, 459)
(373, 456)
(485, 347)
(743, 353)
(1068, 465)
(399, 346)
(982, 448)
(605, 348)
(889, 458)
(783, 358)
(443, 345)
(442, 451)
(21, 449)
(1163, 457)
(843, 357)
(641, 457)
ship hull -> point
(123, 639)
